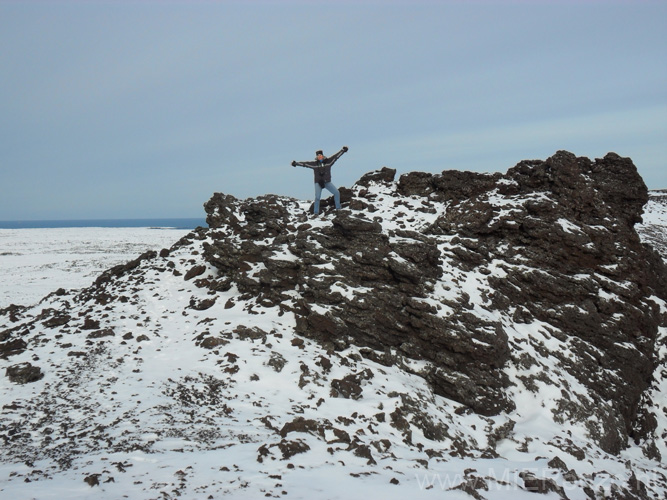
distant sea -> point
(153, 223)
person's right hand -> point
(294, 163)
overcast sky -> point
(144, 109)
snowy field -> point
(36, 262)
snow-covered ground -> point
(185, 432)
(652, 228)
(182, 430)
(36, 262)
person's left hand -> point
(345, 149)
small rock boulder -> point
(24, 373)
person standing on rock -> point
(322, 169)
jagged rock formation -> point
(437, 306)
(554, 238)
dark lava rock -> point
(90, 324)
(194, 272)
(11, 346)
(98, 334)
(564, 248)
(13, 312)
(24, 373)
(300, 424)
(57, 320)
(349, 387)
(122, 269)
(384, 175)
(550, 243)
(92, 480)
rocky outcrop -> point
(555, 240)
(577, 265)
(442, 321)
(396, 274)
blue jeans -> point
(318, 194)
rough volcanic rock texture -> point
(553, 241)
(513, 323)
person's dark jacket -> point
(321, 169)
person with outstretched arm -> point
(322, 170)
